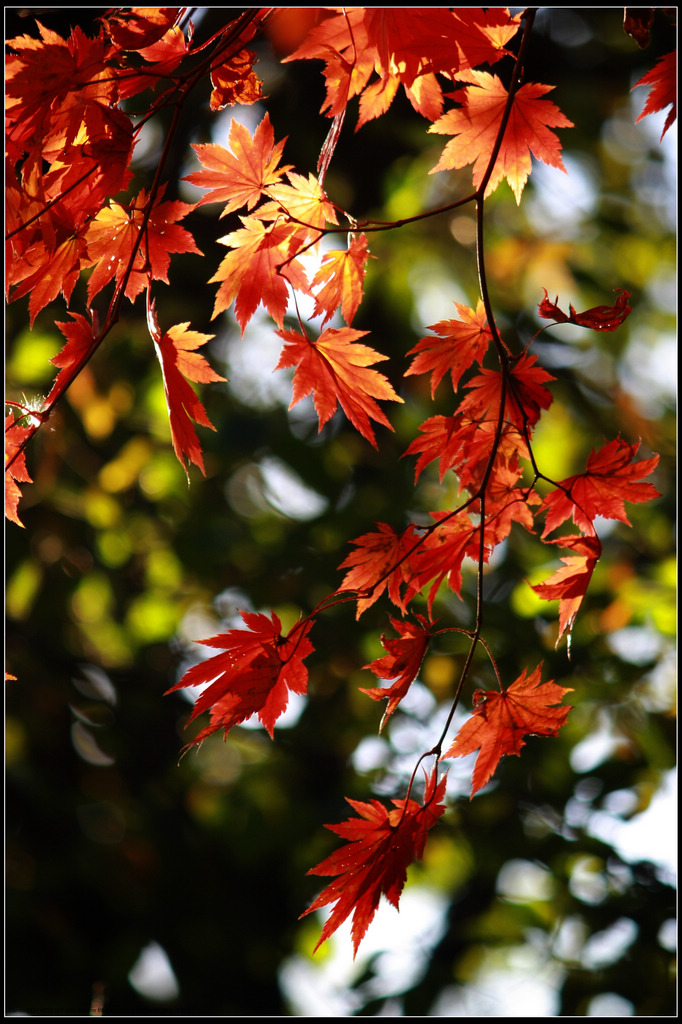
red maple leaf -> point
(464, 445)
(235, 81)
(176, 351)
(115, 233)
(341, 274)
(437, 39)
(46, 272)
(526, 394)
(138, 27)
(254, 675)
(15, 471)
(569, 584)
(80, 343)
(440, 439)
(501, 721)
(441, 555)
(599, 318)
(383, 845)
(476, 124)
(506, 501)
(478, 441)
(402, 663)
(461, 343)
(166, 54)
(258, 270)
(238, 178)
(381, 560)
(608, 482)
(49, 206)
(663, 81)
(336, 370)
(411, 44)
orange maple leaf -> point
(410, 44)
(465, 445)
(336, 369)
(663, 81)
(381, 560)
(50, 205)
(235, 81)
(114, 234)
(501, 721)
(440, 439)
(461, 343)
(402, 663)
(415, 39)
(138, 27)
(609, 481)
(238, 178)
(383, 845)
(441, 555)
(80, 341)
(167, 52)
(258, 270)
(344, 273)
(303, 200)
(51, 272)
(476, 124)
(526, 394)
(506, 501)
(56, 194)
(569, 584)
(254, 674)
(176, 351)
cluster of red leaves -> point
(282, 221)
(284, 214)
(484, 444)
(402, 47)
(69, 145)
(611, 478)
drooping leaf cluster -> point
(70, 143)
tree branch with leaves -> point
(71, 138)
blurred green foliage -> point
(114, 844)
